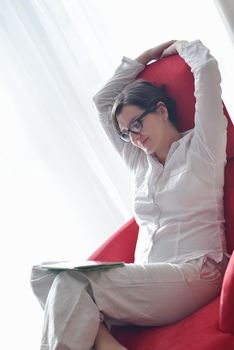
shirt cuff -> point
(129, 62)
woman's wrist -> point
(156, 52)
(145, 57)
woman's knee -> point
(41, 281)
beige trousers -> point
(157, 294)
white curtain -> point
(63, 189)
(226, 10)
(53, 64)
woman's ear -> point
(162, 109)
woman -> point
(178, 204)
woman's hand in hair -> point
(171, 50)
(155, 53)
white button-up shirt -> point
(179, 205)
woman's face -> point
(151, 139)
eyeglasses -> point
(135, 126)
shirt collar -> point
(154, 161)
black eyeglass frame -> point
(139, 120)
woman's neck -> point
(173, 136)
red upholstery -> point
(120, 246)
(211, 327)
(176, 75)
(229, 203)
(198, 331)
(226, 310)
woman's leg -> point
(152, 294)
(42, 280)
(72, 319)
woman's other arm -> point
(210, 122)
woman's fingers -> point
(157, 51)
(171, 50)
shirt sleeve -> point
(210, 123)
(104, 100)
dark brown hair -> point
(144, 95)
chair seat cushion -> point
(198, 331)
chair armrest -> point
(226, 309)
(120, 246)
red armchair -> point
(211, 327)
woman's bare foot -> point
(105, 341)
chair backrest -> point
(178, 78)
